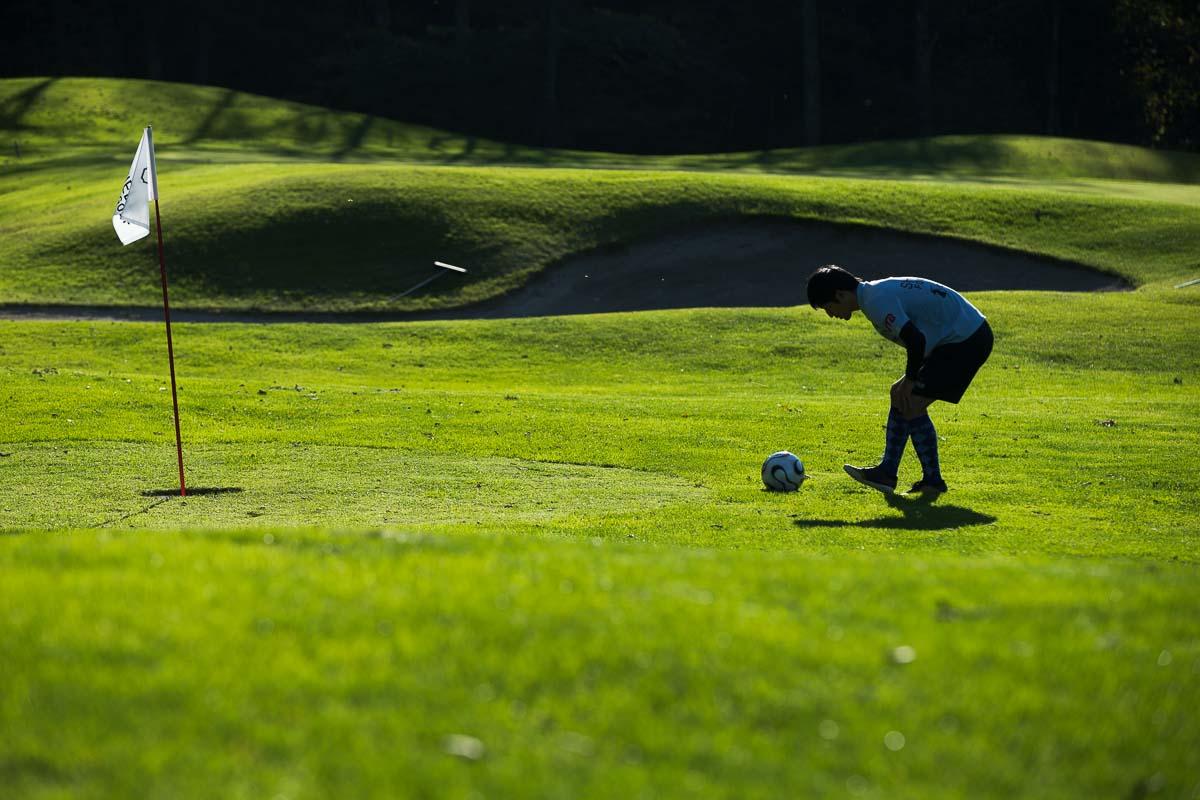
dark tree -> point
(1163, 40)
(812, 74)
(462, 30)
(553, 36)
(924, 41)
(663, 75)
(1053, 124)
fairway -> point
(531, 555)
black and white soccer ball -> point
(783, 472)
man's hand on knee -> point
(902, 395)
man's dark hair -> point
(826, 281)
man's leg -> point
(924, 439)
(946, 373)
(882, 477)
(896, 439)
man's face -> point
(840, 306)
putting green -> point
(105, 484)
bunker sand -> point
(767, 264)
(735, 264)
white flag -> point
(131, 220)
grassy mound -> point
(310, 233)
(55, 118)
(69, 118)
(350, 237)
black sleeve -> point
(914, 343)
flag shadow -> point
(193, 491)
(917, 514)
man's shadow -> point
(918, 513)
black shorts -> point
(949, 369)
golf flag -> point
(131, 220)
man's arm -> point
(914, 343)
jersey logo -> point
(889, 321)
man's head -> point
(834, 290)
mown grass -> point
(533, 557)
(380, 608)
(664, 417)
(314, 665)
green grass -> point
(261, 225)
(664, 416)
(316, 665)
(272, 238)
(549, 536)
(64, 118)
(533, 557)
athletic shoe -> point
(927, 486)
(874, 477)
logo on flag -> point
(131, 220)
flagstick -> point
(162, 268)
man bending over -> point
(947, 341)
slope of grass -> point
(349, 237)
(54, 118)
(311, 234)
(1026, 157)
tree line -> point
(664, 75)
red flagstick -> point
(162, 268)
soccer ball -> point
(783, 472)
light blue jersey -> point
(942, 315)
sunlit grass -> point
(58, 118)
(349, 237)
(309, 232)
(317, 664)
(533, 557)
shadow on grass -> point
(916, 514)
(193, 491)
(205, 129)
(14, 108)
(354, 138)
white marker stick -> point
(428, 280)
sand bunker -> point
(766, 263)
(742, 263)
